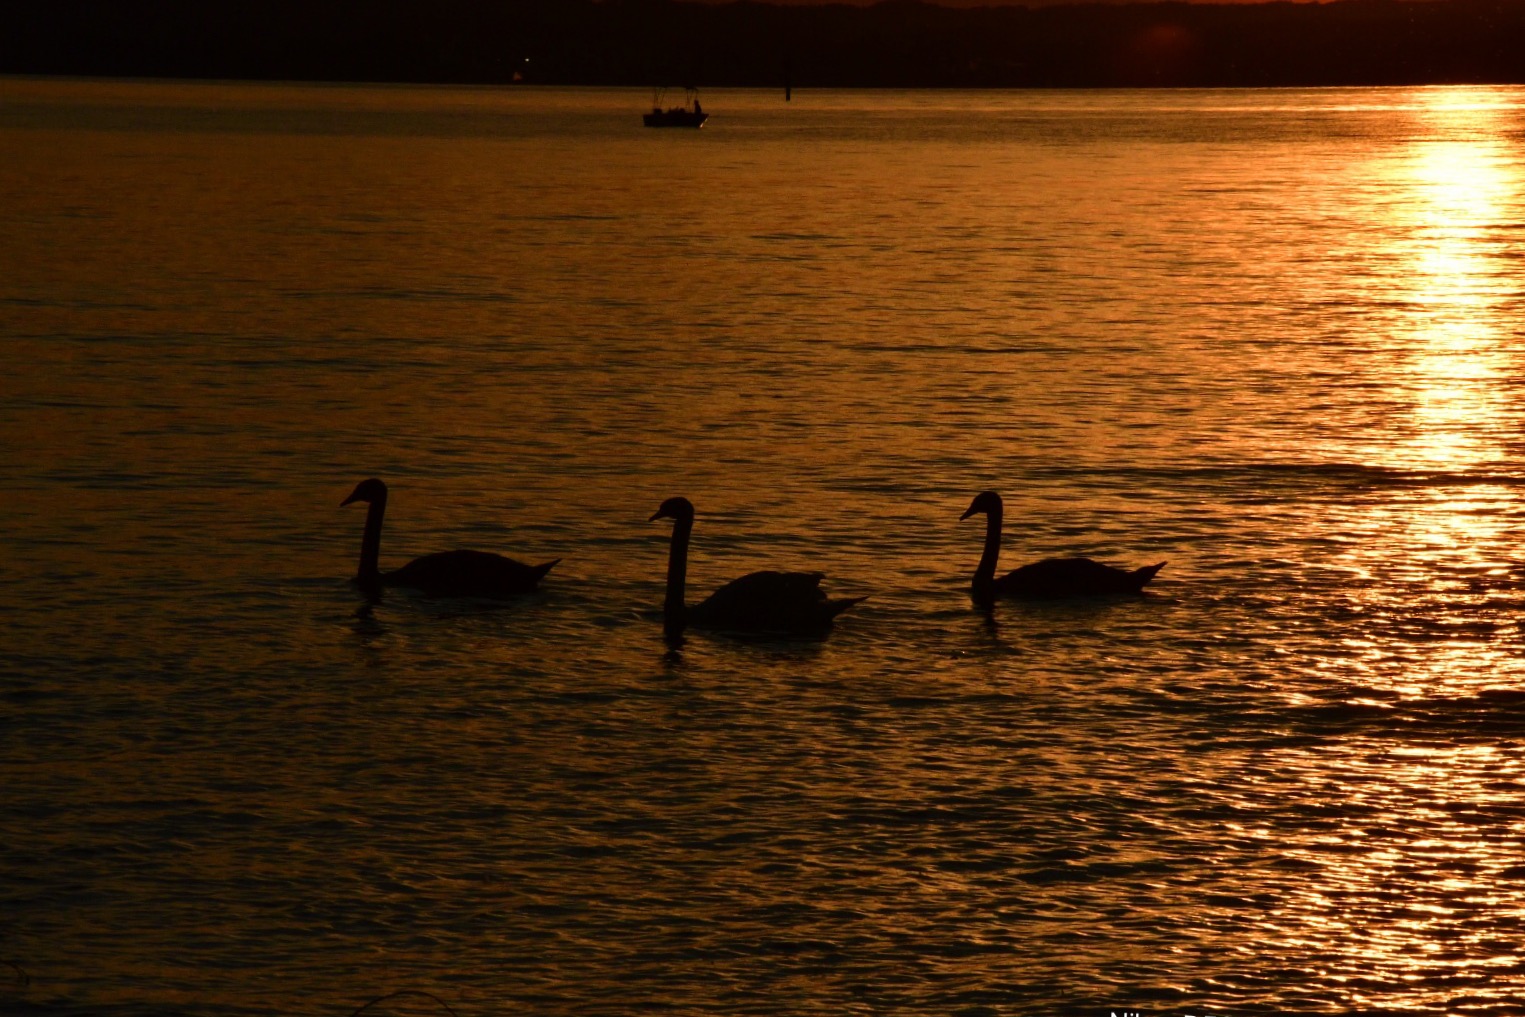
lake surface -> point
(1275, 338)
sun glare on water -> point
(1462, 186)
(1446, 355)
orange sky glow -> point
(1004, 3)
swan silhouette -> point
(447, 573)
(786, 603)
(1050, 579)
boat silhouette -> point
(690, 114)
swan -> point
(774, 602)
(451, 573)
(1050, 579)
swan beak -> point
(348, 501)
(967, 513)
(655, 516)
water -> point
(1273, 337)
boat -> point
(690, 114)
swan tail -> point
(836, 607)
(1141, 576)
(540, 570)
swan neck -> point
(370, 543)
(677, 574)
(984, 574)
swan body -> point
(789, 603)
(1050, 579)
(446, 573)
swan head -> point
(371, 490)
(674, 508)
(987, 502)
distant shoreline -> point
(896, 44)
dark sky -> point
(963, 43)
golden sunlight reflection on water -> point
(1448, 362)
(1416, 859)
(1454, 235)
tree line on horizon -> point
(896, 43)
